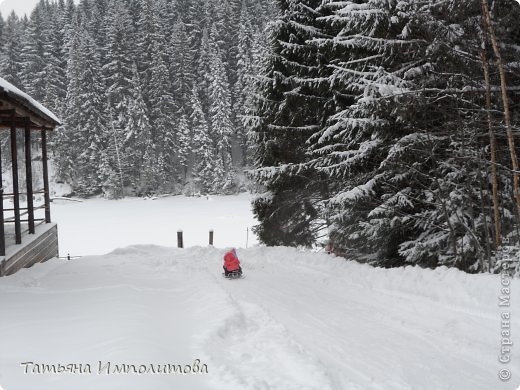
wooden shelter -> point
(33, 239)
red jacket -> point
(231, 261)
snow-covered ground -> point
(298, 320)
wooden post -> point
(28, 176)
(16, 191)
(180, 243)
(211, 237)
(2, 227)
(46, 178)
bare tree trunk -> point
(484, 211)
(493, 145)
(507, 114)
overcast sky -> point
(19, 6)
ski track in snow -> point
(297, 321)
(249, 343)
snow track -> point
(299, 321)
(249, 344)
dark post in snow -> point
(211, 237)
(2, 229)
(180, 244)
(16, 194)
(28, 176)
(46, 178)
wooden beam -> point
(21, 125)
(2, 226)
(19, 121)
(6, 121)
(16, 192)
(46, 178)
(28, 176)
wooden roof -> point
(19, 108)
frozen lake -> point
(98, 226)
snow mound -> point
(299, 320)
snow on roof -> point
(27, 101)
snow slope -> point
(299, 320)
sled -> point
(233, 275)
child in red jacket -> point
(232, 264)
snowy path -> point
(297, 321)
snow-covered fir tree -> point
(162, 116)
(220, 110)
(410, 166)
(10, 61)
(169, 41)
(33, 54)
(207, 169)
(185, 146)
(243, 84)
(400, 140)
(138, 148)
(86, 118)
(181, 76)
(291, 105)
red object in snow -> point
(231, 262)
